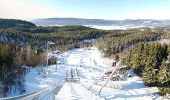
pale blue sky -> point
(103, 9)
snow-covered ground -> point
(90, 65)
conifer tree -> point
(144, 54)
(137, 58)
(149, 71)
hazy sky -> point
(102, 9)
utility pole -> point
(48, 42)
(47, 55)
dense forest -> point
(151, 61)
(123, 40)
(65, 37)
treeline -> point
(23, 32)
(13, 58)
(151, 61)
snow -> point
(90, 66)
(113, 27)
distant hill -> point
(70, 21)
(99, 22)
(10, 23)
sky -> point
(92, 9)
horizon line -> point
(84, 18)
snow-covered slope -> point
(90, 65)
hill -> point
(99, 22)
(10, 23)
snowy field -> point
(91, 66)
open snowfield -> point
(90, 65)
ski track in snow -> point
(90, 64)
